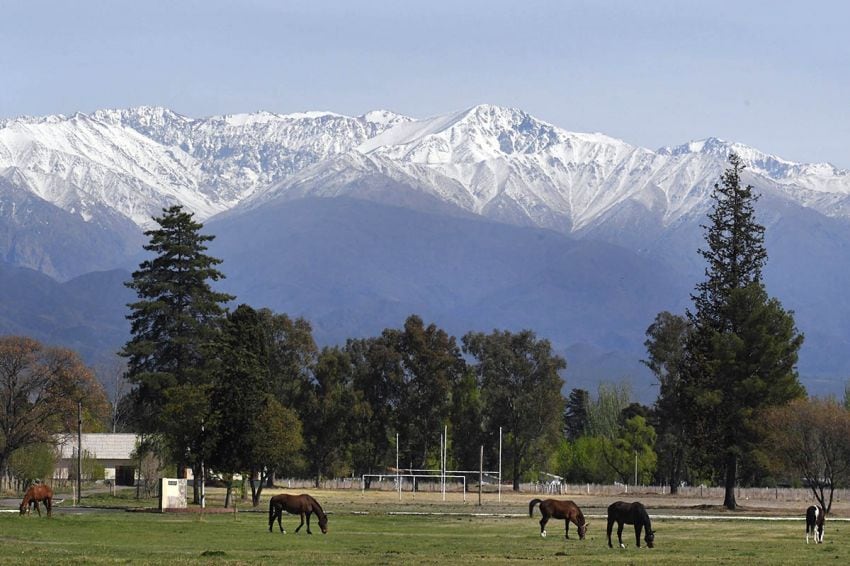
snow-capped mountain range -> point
(479, 219)
(496, 162)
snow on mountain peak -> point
(476, 134)
(491, 160)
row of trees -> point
(249, 392)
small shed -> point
(113, 451)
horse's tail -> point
(271, 511)
(531, 505)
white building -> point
(112, 451)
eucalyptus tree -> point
(666, 340)
(520, 383)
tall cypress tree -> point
(741, 355)
(174, 325)
(575, 414)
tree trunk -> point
(731, 476)
(257, 486)
(228, 493)
(516, 471)
(676, 471)
(196, 486)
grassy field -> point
(381, 538)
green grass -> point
(377, 538)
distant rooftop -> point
(103, 446)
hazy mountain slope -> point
(354, 268)
(85, 314)
(36, 234)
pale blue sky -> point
(775, 75)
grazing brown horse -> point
(630, 514)
(566, 510)
(296, 505)
(38, 492)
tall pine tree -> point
(174, 326)
(742, 352)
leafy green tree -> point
(377, 387)
(576, 414)
(605, 412)
(632, 449)
(431, 365)
(174, 327)
(328, 413)
(521, 390)
(583, 460)
(276, 448)
(741, 355)
(665, 346)
(290, 357)
(33, 461)
(466, 423)
(238, 394)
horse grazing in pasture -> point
(296, 505)
(566, 510)
(630, 514)
(36, 493)
(815, 517)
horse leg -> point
(309, 532)
(302, 522)
(610, 526)
(37, 510)
(49, 504)
(543, 522)
(279, 512)
(637, 534)
(567, 528)
(620, 534)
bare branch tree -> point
(811, 438)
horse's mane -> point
(580, 516)
(645, 517)
(531, 505)
(318, 508)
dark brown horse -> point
(296, 505)
(36, 493)
(630, 514)
(566, 510)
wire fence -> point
(387, 483)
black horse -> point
(630, 514)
